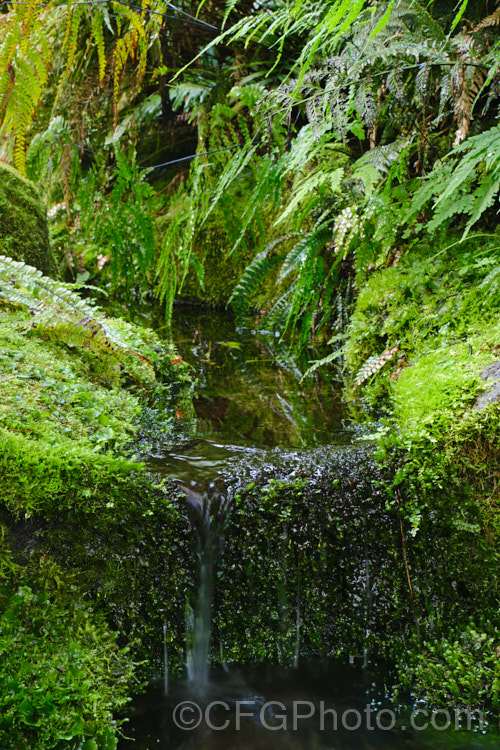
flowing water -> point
(307, 562)
(250, 412)
(209, 518)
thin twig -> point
(396, 495)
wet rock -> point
(492, 394)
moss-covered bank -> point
(421, 336)
(80, 395)
(69, 471)
(63, 676)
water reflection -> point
(251, 408)
(248, 388)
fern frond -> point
(120, 222)
(381, 158)
(322, 362)
(230, 6)
(374, 364)
(477, 157)
(98, 34)
(300, 253)
(281, 311)
(305, 188)
(75, 16)
(253, 275)
(231, 173)
(489, 21)
(168, 279)
(57, 310)
(267, 188)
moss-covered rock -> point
(436, 309)
(24, 233)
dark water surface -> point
(326, 704)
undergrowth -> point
(75, 679)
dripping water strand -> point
(165, 660)
(210, 517)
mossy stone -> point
(24, 233)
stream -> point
(250, 407)
(325, 574)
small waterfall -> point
(199, 623)
(209, 518)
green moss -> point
(63, 677)
(61, 428)
(67, 430)
(439, 306)
(389, 303)
(23, 222)
(58, 395)
(39, 478)
(439, 385)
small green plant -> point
(63, 675)
(461, 670)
